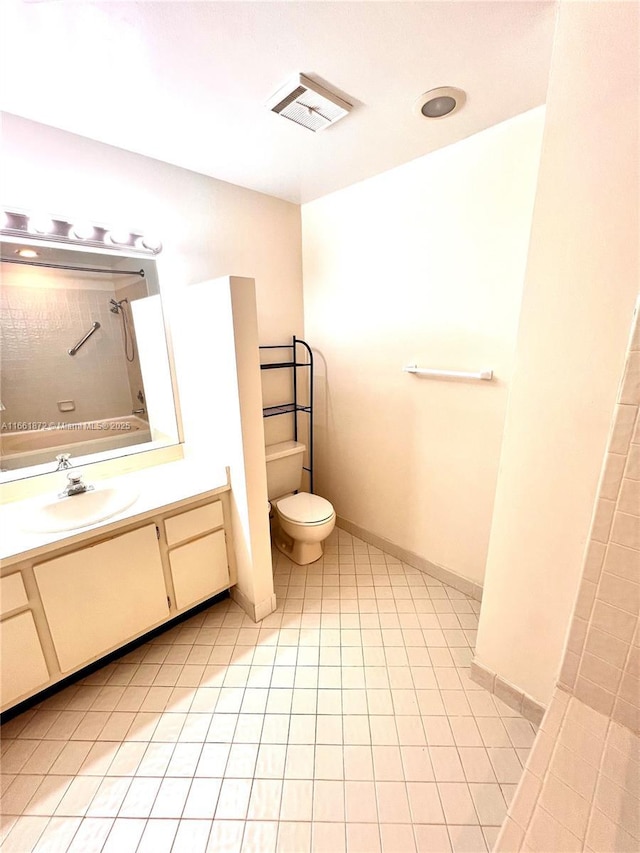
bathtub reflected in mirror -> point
(85, 367)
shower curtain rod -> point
(76, 269)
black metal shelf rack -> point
(294, 407)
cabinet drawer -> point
(195, 522)
(12, 593)
(199, 568)
(23, 665)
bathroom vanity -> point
(69, 600)
(77, 584)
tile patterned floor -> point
(344, 721)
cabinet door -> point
(23, 667)
(199, 569)
(99, 597)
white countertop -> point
(159, 487)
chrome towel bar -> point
(84, 339)
(447, 374)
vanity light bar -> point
(41, 227)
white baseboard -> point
(257, 612)
(512, 696)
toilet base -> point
(298, 552)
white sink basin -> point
(54, 514)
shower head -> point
(116, 306)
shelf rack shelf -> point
(294, 407)
(285, 409)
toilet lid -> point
(304, 508)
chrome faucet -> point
(75, 486)
(63, 461)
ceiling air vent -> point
(308, 104)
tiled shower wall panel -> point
(581, 783)
(39, 326)
(580, 787)
(602, 662)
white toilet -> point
(303, 521)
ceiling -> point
(185, 82)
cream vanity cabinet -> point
(197, 554)
(65, 610)
(98, 597)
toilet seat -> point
(304, 508)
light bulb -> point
(27, 253)
(82, 231)
(40, 224)
(118, 237)
(150, 242)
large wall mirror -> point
(85, 368)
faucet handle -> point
(75, 486)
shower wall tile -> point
(569, 670)
(613, 621)
(625, 421)
(622, 562)
(633, 464)
(594, 560)
(626, 530)
(606, 647)
(601, 527)
(612, 477)
(627, 713)
(629, 501)
(600, 673)
(39, 326)
(619, 593)
(580, 787)
(577, 636)
(629, 688)
(631, 383)
(586, 597)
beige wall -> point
(208, 228)
(424, 264)
(580, 786)
(581, 284)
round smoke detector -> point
(439, 103)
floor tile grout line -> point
(341, 611)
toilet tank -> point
(284, 467)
